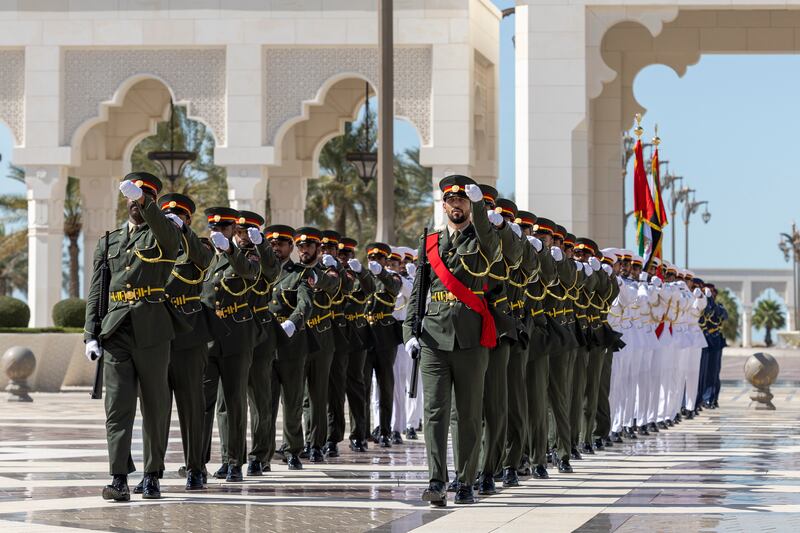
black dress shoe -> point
(117, 490)
(280, 454)
(587, 449)
(653, 427)
(435, 494)
(716, 404)
(152, 490)
(365, 444)
(306, 452)
(194, 480)
(564, 467)
(540, 472)
(486, 486)
(616, 437)
(254, 467)
(139, 488)
(266, 467)
(396, 438)
(510, 478)
(384, 441)
(182, 471)
(690, 415)
(234, 474)
(663, 425)
(376, 434)
(411, 434)
(222, 473)
(669, 423)
(453, 486)
(598, 445)
(331, 449)
(464, 495)
(575, 454)
(315, 456)
(677, 418)
(608, 442)
(357, 446)
(293, 462)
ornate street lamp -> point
(364, 161)
(690, 208)
(172, 162)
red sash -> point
(460, 291)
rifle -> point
(102, 310)
(423, 284)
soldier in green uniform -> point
(136, 332)
(386, 336)
(457, 333)
(602, 430)
(347, 377)
(290, 304)
(188, 351)
(225, 297)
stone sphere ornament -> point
(761, 370)
(18, 364)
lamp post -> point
(365, 161)
(676, 196)
(790, 246)
(691, 207)
(385, 229)
(172, 162)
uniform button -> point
(216, 288)
(128, 285)
(216, 273)
(166, 296)
(127, 268)
(216, 303)
(451, 304)
(127, 251)
(274, 301)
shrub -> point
(14, 313)
(69, 313)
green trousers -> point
(380, 359)
(356, 395)
(337, 390)
(576, 394)
(287, 387)
(557, 387)
(230, 372)
(495, 409)
(603, 418)
(315, 405)
(517, 398)
(128, 372)
(593, 370)
(259, 399)
(455, 376)
(537, 375)
(186, 369)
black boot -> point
(396, 438)
(152, 489)
(486, 486)
(464, 495)
(222, 473)
(540, 472)
(316, 455)
(234, 474)
(254, 467)
(384, 441)
(598, 444)
(293, 461)
(587, 449)
(510, 478)
(608, 442)
(331, 449)
(117, 490)
(453, 486)
(435, 494)
(306, 453)
(563, 465)
(357, 446)
(194, 480)
(411, 434)
(616, 437)
(139, 488)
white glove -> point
(474, 192)
(656, 281)
(579, 266)
(708, 292)
(495, 218)
(556, 252)
(375, 267)
(92, 350)
(329, 261)
(535, 242)
(288, 327)
(411, 268)
(255, 236)
(697, 292)
(412, 345)
(130, 190)
(175, 219)
(355, 265)
(220, 241)
(620, 283)
(682, 285)
(607, 269)
(516, 229)
(644, 276)
(594, 263)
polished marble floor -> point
(732, 469)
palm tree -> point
(73, 224)
(768, 315)
(730, 328)
(13, 242)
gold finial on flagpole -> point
(656, 139)
(638, 130)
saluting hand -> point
(329, 261)
(516, 229)
(175, 219)
(556, 252)
(535, 242)
(474, 192)
(355, 265)
(594, 263)
(495, 218)
(255, 236)
(375, 267)
(130, 190)
(220, 241)
(411, 268)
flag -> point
(643, 207)
(656, 219)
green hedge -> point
(70, 313)
(14, 313)
(41, 330)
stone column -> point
(99, 197)
(247, 187)
(287, 200)
(46, 190)
(747, 325)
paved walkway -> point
(732, 469)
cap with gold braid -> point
(545, 226)
(177, 203)
(396, 254)
(569, 240)
(586, 245)
(307, 234)
(506, 208)
(145, 181)
(489, 194)
(525, 219)
(248, 219)
(346, 243)
(221, 216)
(279, 232)
(378, 249)
(331, 237)
(454, 185)
(560, 232)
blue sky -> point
(726, 126)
